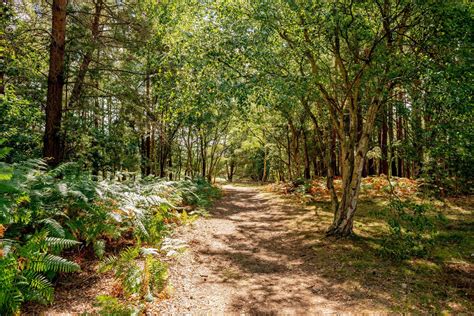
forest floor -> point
(262, 252)
(253, 256)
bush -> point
(111, 306)
(145, 279)
(29, 263)
(411, 231)
(43, 212)
(31, 239)
(198, 192)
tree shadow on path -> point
(283, 262)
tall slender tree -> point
(52, 135)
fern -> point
(124, 268)
(59, 244)
(134, 276)
(47, 211)
(139, 225)
(11, 296)
(24, 269)
(62, 169)
(99, 248)
(40, 288)
(53, 227)
(159, 275)
(107, 264)
(111, 306)
(4, 151)
(49, 262)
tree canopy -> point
(214, 90)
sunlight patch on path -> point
(245, 258)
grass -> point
(443, 282)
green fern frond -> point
(60, 264)
(78, 195)
(53, 227)
(132, 279)
(35, 164)
(159, 275)
(59, 244)
(54, 263)
(40, 289)
(11, 299)
(4, 151)
(138, 223)
(61, 169)
(8, 187)
(99, 248)
(130, 254)
(107, 264)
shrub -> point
(28, 264)
(198, 192)
(145, 279)
(31, 238)
(411, 231)
(111, 306)
(43, 212)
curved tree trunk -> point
(353, 167)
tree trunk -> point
(164, 152)
(2, 77)
(265, 174)
(189, 155)
(391, 156)
(354, 146)
(146, 154)
(52, 136)
(203, 157)
(170, 164)
(383, 144)
(400, 164)
(232, 170)
(307, 163)
(331, 165)
(6, 7)
(84, 67)
(320, 153)
(352, 168)
(288, 151)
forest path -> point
(253, 256)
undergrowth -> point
(109, 305)
(412, 231)
(43, 212)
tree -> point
(346, 61)
(52, 135)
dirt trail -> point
(251, 256)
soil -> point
(265, 253)
(250, 257)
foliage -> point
(147, 278)
(32, 236)
(111, 306)
(412, 231)
(94, 210)
(198, 192)
(160, 91)
(29, 263)
(45, 211)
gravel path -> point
(251, 257)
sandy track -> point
(245, 258)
